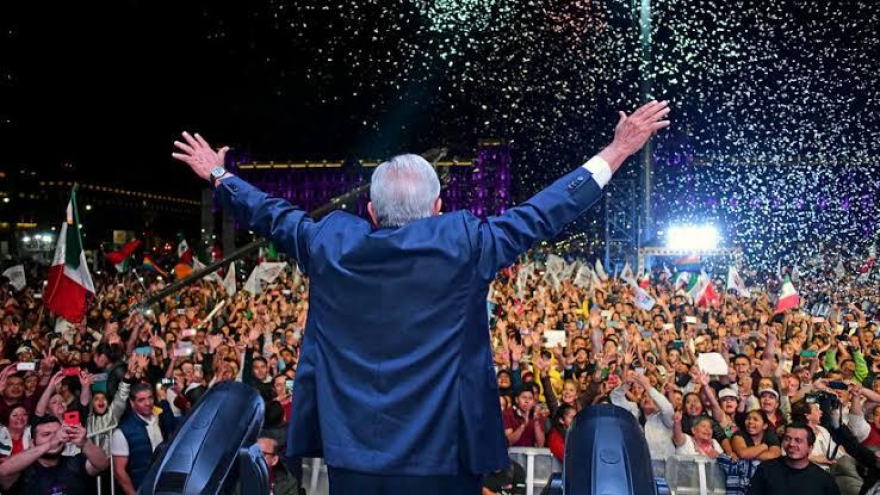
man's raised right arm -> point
(543, 216)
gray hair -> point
(403, 189)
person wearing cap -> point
(769, 400)
(25, 354)
(723, 407)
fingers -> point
(642, 109)
(652, 111)
(656, 126)
(191, 140)
(181, 157)
(222, 153)
(184, 147)
(202, 141)
(648, 110)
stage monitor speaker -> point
(606, 454)
(215, 450)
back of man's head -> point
(403, 189)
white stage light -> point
(692, 237)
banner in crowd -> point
(734, 281)
(583, 277)
(643, 299)
(199, 266)
(600, 271)
(229, 280)
(16, 277)
(264, 272)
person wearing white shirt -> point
(657, 411)
(133, 443)
(701, 443)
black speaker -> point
(215, 450)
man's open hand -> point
(633, 131)
(197, 153)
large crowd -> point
(803, 383)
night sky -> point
(107, 87)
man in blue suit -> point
(395, 386)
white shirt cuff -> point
(600, 169)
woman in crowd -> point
(15, 436)
(105, 415)
(570, 395)
(693, 412)
(700, 442)
(560, 423)
(757, 440)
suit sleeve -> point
(273, 218)
(506, 236)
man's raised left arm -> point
(270, 217)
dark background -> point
(98, 91)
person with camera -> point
(42, 469)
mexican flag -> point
(788, 298)
(269, 253)
(710, 296)
(184, 252)
(684, 279)
(70, 285)
(697, 286)
(121, 258)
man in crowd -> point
(140, 432)
(523, 424)
(281, 481)
(43, 470)
(793, 472)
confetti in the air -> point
(776, 108)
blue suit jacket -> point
(395, 375)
